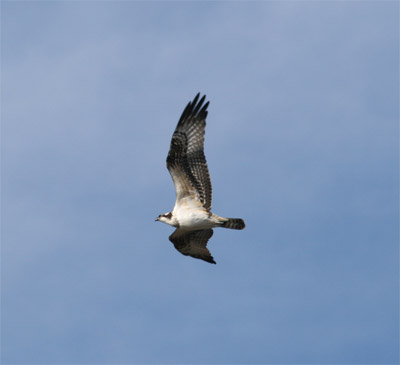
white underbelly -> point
(192, 218)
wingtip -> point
(202, 98)
(204, 108)
(195, 108)
(194, 102)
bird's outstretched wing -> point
(193, 243)
(186, 161)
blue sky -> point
(301, 141)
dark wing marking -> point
(193, 243)
(186, 161)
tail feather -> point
(233, 223)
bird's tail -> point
(233, 223)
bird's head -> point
(166, 218)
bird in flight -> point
(187, 165)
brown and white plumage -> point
(187, 165)
(193, 243)
(186, 161)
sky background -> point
(301, 141)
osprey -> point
(187, 165)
